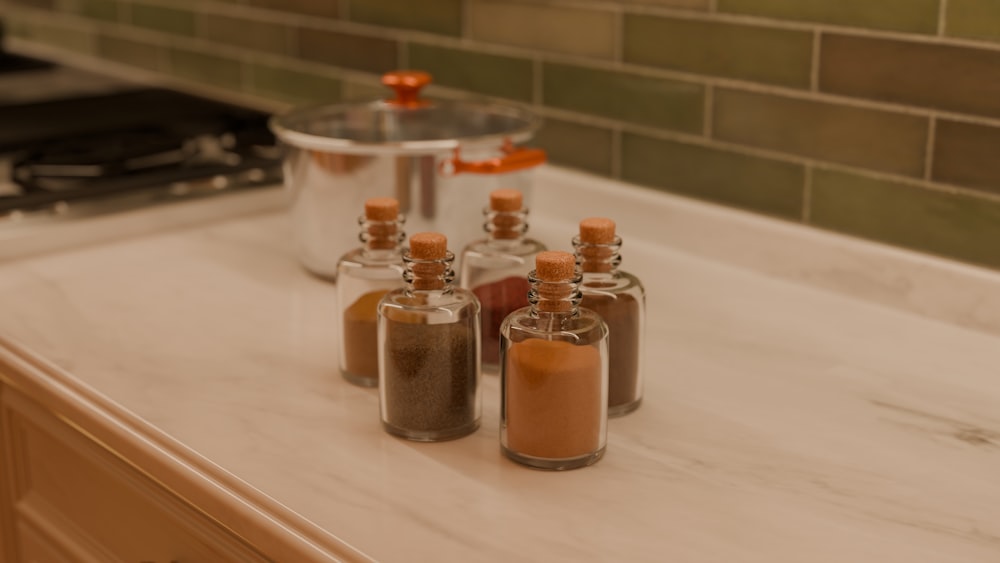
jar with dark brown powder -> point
(620, 299)
(364, 275)
(429, 349)
(554, 373)
(495, 268)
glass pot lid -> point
(407, 124)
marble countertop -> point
(782, 421)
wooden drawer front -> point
(100, 503)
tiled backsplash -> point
(878, 118)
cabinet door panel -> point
(37, 548)
(101, 499)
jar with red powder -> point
(496, 268)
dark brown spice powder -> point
(430, 375)
(621, 313)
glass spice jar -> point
(554, 373)
(429, 348)
(364, 276)
(495, 268)
(619, 298)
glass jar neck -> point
(428, 275)
(596, 258)
(381, 238)
(560, 298)
(506, 226)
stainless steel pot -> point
(440, 159)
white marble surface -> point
(781, 422)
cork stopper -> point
(381, 214)
(554, 270)
(554, 266)
(428, 246)
(506, 199)
(381, 209)
(597, 230)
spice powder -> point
(621, 313)
(361, 336)
(430, 375)
(553, 399)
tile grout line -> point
(616, 152)
(807, 194)
(814, 62)
(618, 55)
(124, 12)
(942, 26)
(464, 27)
(708, 120)
(403, 55)
(537, 83)
(929, 153)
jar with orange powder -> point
(554, 372)
(364, 276)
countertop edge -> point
(278, 531)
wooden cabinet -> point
(66, 497)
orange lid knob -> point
(428, 246)
(554, 266)
(381, 209)
(407, 84)
(506, 200)
(597, 230)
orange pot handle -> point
(513, 159)
(407, 84)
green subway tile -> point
(918, 16)
(322, 8)
(443, 17)
(658, 102)
(482, 73)
(352, 91)
(257, 35)
(761, 54)
(204, 67)
(588, 33)
(974, 19)
(358, 52)
(129, 52)
(56, 34)
(293, 86)
(99, 9)
(161, 18)
(966, 154)
(758, 184)
(575, 145)
(45, 4)
(879, 140)
(948, 77)
(954, 225)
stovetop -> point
(86, 144)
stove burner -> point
(100, 156)
(132, 141)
